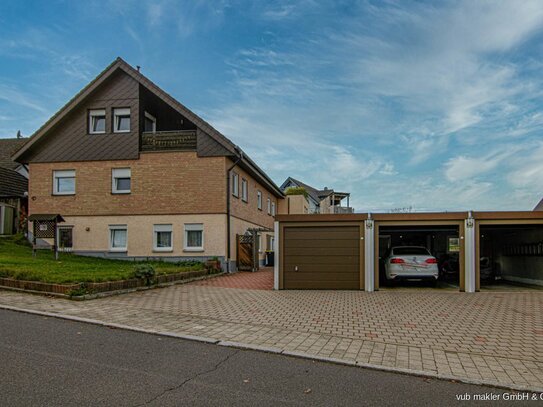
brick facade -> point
(248, 211)
(162, 183)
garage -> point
(442, 244)
(318, 256)
(510, 251)
(441, 234)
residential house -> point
(539, 206)
(13, 187)
(312, 201)
(136, 174)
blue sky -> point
(435, 106)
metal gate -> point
(247, 252)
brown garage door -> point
(321, 257)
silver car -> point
(410, 263)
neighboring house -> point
(13, 187)
(135, 174)
(316, 200)
(539, 206)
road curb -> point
(296, 354)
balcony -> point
(176, 140)
(343, 209)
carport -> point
(342, 251)
(510, 246)
(438, 232)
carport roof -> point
(415, 217)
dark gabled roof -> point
(314, 193)
(539, 206)
(7, 147)
(230, 148)
(12, 184)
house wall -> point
(70, 139)
(162, 183)
(249, 211)
(91, 235)
(294, 205)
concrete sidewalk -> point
(492, 338)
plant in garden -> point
(145, 272)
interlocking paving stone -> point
(429, 331)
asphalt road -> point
(50, 361)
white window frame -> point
(60, 174)
(193, 227)
(117, 173)
(162, 228)
(259, 200)
(235, 184)
(117, 249)
(244, 190)
(269, 206)
(65, 249)
(121, 111)
(153, 119)
(273, 208)
(96, 113)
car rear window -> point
(411, 250)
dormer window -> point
(121, 120)
(97, 121)
(150, 123)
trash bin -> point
(270, 257)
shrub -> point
(145, 272)
(21, 240)
(296, 191)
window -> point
(120, 180)
(235, 184)
(97, 121)
(244, 190)
(269, 206)
(121, 120)
(64, 182)
(65, 238)
(194, 237)
(162, 240)
(118, 238)
(273, 209)
(259, 200)
(149, 124)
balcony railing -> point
(343, 209)
(184, 140)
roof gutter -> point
(228, 226)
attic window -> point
(121, 120)
(97, 121)
(150, 123)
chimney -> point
(138, 68)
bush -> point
(296, 191)
(145, 272)
(21, 240)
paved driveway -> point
(493, 337)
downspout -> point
(228, 240)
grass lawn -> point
(16, 261)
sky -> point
(433, 106)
